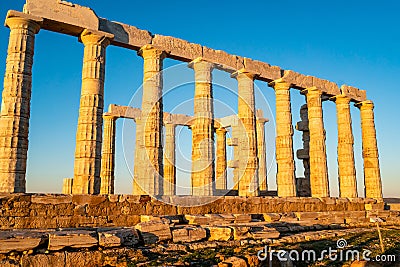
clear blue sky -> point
(352, 42)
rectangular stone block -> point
(224, 61)
(188, 234)
(271, 217)
(73, 239)
(265, 71)
(177, 48)
(118, 237)
(242, 218)
(218, 233)
(354, 93)
(197, 219)
(264, 233)
(298, 80)
(328, 87)
(20, 240)
(154, 231)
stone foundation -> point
(33, 211)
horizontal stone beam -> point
(354, 93)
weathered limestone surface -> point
(318, 164)
(221, 163)
(248, 161)
(20, 241)
(303, 183)
(89, 130)
(372, 174)
(67, 185)
(285, 177)
(188, 234)
(16, 96)
(151, 170)
(72, 239)
(203, 130)
(261, 151)
(154, 231)
(218, 233)
(347, 170)
(177, 48)
(169, 160)
(108, 155)
(353, 93)
(118, 237)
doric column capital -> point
(341, 99)
(92, 37)
(365, 105)
(280, 84)
(221, 130)
(19, 20)
(244, 74)
(107, 116)
(151, 51)
(312, 91)
(201, 64)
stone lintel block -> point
(224, 61)
(328, 87)
(233, 164)
(126, 35)
(20, 240)
(177, 48)
(232, 141)
(264, 71)
(51, 199)
(354, 93)
(73, 239)
(297, 80)
(63, 16)
(17, 14)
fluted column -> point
(372, 174)
(140, 157)
(152, 121)
(318, 164)
(248, 162)
(285, 178)
(261, 150)
(221, 164)
(67, 185)
(108, 155)
(347, 170)
(203, 130)
(169, 160)
(89, 131)
(15, 106)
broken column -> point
(317, 151)
(169, 160)
(202, 130)
(67, 185)
(150, 174)
(248, 161)
(89, 131)
(347, 170)
(221, 164)
(16, 97)
(372, 175)
(108, 155)
(261, 150)
(303, 183)
(285, 178)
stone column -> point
(90, 120)
(152, 121)
(169, 160)
(221, 164)
(140, 157)
(285, 178)
(15, 106)
(108, 155)
(67, 185)
(303, 183)
(203, 130)
(347, 170)
(248, 161)
(372, 175)
(261, 150)
(317, 151)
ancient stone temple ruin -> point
(155, 172)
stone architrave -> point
(90, 120)
(203, 130)
(221, 164)
(15, 106)
(372, 174)
(285, 177)
(347, 170)
(149, 177)
(169, 160)
(261, 150)
(318, 164)
(108, 155)
(248, 161)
